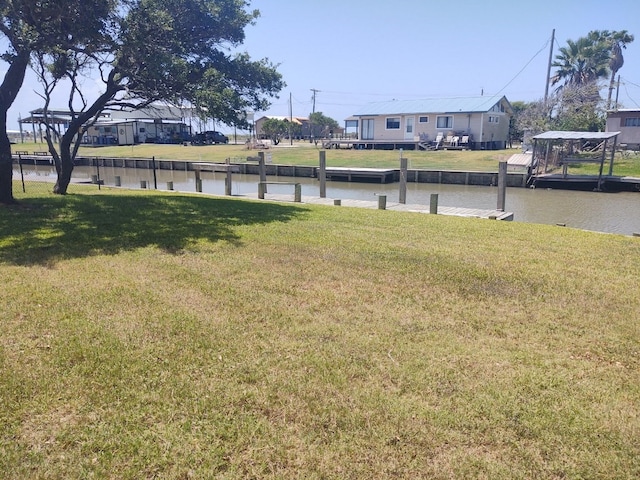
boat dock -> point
(381, 175)
(395, 206)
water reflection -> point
(604, 212)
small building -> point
(458, 122)
(627, 122)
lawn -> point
(304, 153)
(155, 335)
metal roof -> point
(432, 105)
(563, 135)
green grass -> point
(303, 153)
(148, 335)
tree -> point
(321, 126)
(275, 129)
(27, 26)
(169, 50)
(581, 62)
(616, 42)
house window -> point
(424, 120)
(445, 121)
(494, 119)
(393, 123)
(632, 122)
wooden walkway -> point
(442, 210)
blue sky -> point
(359, 51)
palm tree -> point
(618, 41)
(581, 62)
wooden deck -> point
(380, 175)
(442, 210)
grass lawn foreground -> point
(164, 335)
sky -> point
(354, 52)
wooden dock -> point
(380, 175)
(400, 207)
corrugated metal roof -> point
(431, 105)
(563, 135)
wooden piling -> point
(322, 174)
(433, 204)
(502, 185)
(382, 202)
(403, 181)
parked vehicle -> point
(209, 138)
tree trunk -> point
(8, 91)
(66, 167)
(611, 87)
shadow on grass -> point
(48, 229)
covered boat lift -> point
(563, 148)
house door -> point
(367, 129)
(409, 127)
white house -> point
(480, 122)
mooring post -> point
(143, 184)
(198, 181)
(227, 180)
(322, 174)
(502, 185)
(382, 202)
(118, 181)
(262, 170)
(169, 185)
(403, 180)
(262, 187)
(297, 193)
(433, 204)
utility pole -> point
(314, 90)
(546, 85)
(290, 119)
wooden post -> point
(433, 204)
(261, 190)
(382, 202)
(262, 170)
(118, 181)
(337, 201)
(502, 185)
(169, 185)
(297, 194)
(322, 174)
(143, 184)
(403, 181)
(198, 181)
(227, 180)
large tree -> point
(28, 26)
(580, 62)
(170, 50)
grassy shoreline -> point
(175, 336)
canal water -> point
(602, 212)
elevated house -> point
(435, 123)
(627, 122)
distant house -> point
(473, 122)
(155, 124)
(627, 122)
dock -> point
(586, 182)
(379, 175)
(395, 206)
